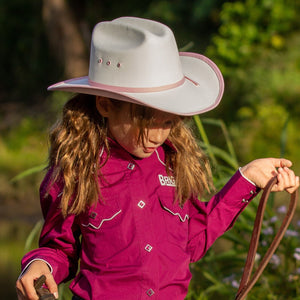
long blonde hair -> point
(77, 139)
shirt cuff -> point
(240, 169)
(26, 267)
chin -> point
(142, 155)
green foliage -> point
(32, 237)
(260, 60)
(217, 275)
(257, 51)
(248, 24)
(224, 162)
(23, 146)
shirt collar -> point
(170, 145)
(114, 143)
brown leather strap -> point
(246, 284)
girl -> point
(125, 173)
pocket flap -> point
(168, 204)
(95, 217)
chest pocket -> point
(101, 234)
(96, 221)
(176, 219)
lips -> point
(149, 149)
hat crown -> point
(133, 52)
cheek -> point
(124, 134)
(167, 132)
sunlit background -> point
(255, 44)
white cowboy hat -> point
(137, 60)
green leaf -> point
(33, 235)
(29, 172)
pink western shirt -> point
(136, 243)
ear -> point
(103, 106)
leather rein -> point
(246, 283)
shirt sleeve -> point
(59, 240)
(209, 220)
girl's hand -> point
(25, 284)
(260, 171)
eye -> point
(168, 123)
(162, 124)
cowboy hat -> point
(137, 60)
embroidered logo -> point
(166, 180)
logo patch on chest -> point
(166, 180)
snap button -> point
(141, 204)
(130, 166)
(150, 292)
(93, 215)
(148, 248)
(251, 192)
(245, 200)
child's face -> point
(122, 128)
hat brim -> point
(201, 90)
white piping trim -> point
(186, 217)
(25, 269)
(97, 227)
(101, 152)
(240, 169)
(159, 158)
(157, 154)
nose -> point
(157, 135)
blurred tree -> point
(26, 63)
(35, 51)
(65, 38)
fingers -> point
(52, 286)
(20, 293)
(293, 189)
(281, 162)
(25, 286)
(285, 163)
(294, 181)
(260, 171)
(286, 180)
(25, 289)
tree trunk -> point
(65, 38)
